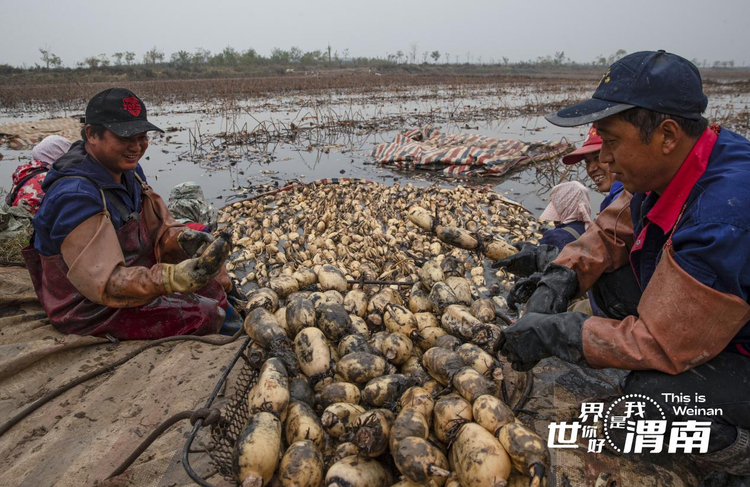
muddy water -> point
(228, 173)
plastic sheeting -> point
(463, 154)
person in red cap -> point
(532, 259)
(598, 172)
(107, 257)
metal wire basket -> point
(221, 437)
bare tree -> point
(118, 58)
(413, 51)
(180, 58)
(92, 62)
(424, 57)
(50, 59)
(153, 56)
(447, 57)
(619, 54)
(201, 56)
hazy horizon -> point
(482, 29)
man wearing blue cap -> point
(684, 227)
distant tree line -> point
(318, 58)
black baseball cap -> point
(120, 111)
(655, 80)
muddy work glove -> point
(529, 259)
(537, 336)
(522, 290)
(193, 243)
(192, 274)
(557, 286)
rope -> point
(380, 282)
(526, 392)
(110, 368)
(210, 416)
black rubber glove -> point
(237, 299)
(529, 259)
(522, 290)
(536, 336)
(557, 286)
(194, 243)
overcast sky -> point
(519, 30)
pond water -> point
(227, 173)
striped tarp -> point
(463, 154)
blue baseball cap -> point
(655, 80)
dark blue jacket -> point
(712, 238)
(70, 202)
(614, 192)
(560, 237)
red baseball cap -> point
(592, 144)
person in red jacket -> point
(683, 227)
(27, 178)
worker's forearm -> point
(128, 287)
(96, 267)
(682, 323)
(604, 247)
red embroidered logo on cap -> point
(132, 105)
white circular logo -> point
(622, 414)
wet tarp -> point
(463, 154)
(82, 436)
(25, 135)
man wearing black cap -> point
(684, 227)
(107, 256)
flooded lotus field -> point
(236, 148)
